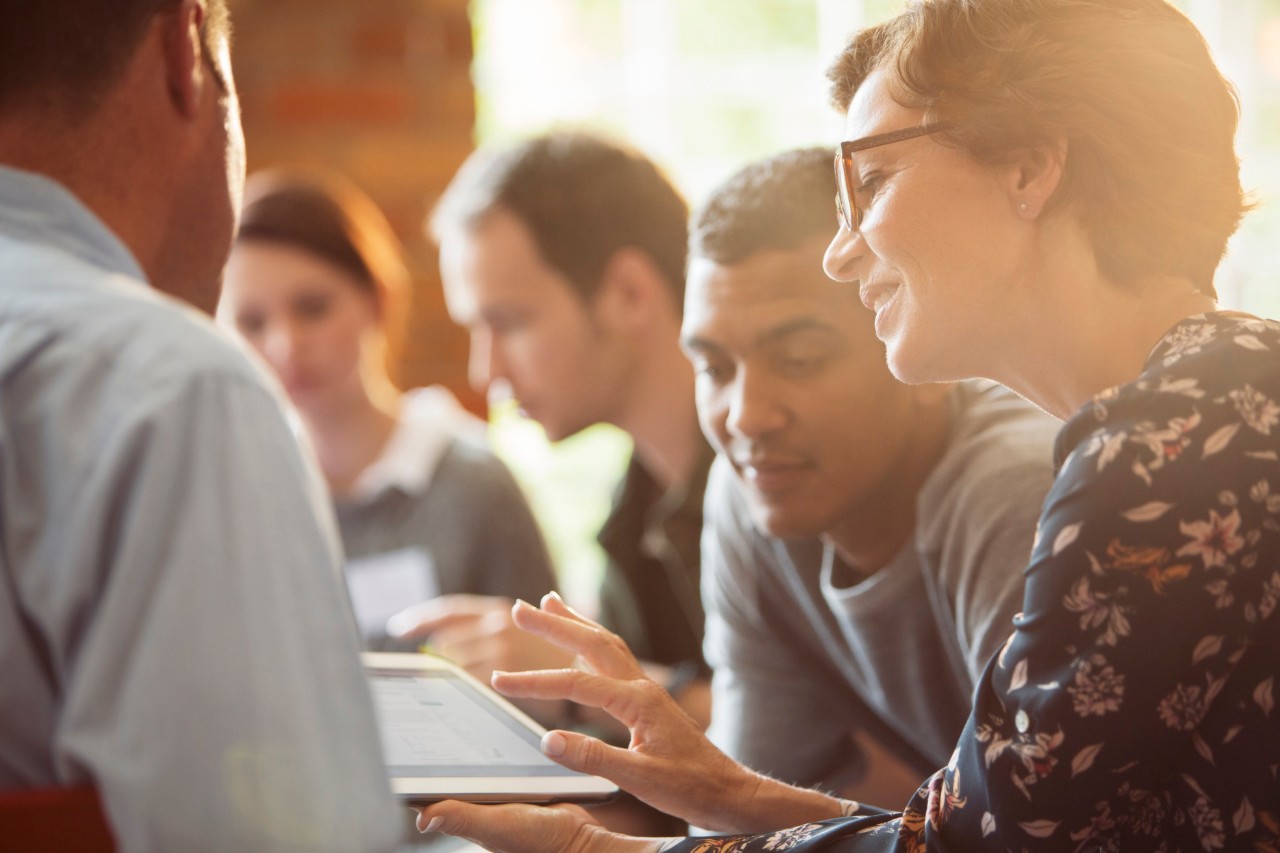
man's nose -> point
(754, 410)
(485, 363)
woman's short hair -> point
(329, 217)
(1149, 120)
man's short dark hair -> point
(772, 204)
(67, 53)
(582, 197)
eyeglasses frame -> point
(847, 209)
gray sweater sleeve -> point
(771, 709)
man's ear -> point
(633, 291)
(184, 55)
(1034, 176)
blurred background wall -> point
(381, 91)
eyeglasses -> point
(846, 181)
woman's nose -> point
(842, 255)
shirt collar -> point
(430, 418)
(39, 210)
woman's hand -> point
(669, 763)
(476, 632)
(529, 829)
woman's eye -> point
(868, 188)
(250, 325)
(312, 307)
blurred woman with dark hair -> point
(315, 283)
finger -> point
(428, 617)
(530, 829)
(626, 768)
(459, 819)
(622, 700)
(603, 650)
(553, 603)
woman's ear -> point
(1034, 176)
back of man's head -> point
(65, 54)
(581, 197)
(774, 204)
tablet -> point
(446, 736)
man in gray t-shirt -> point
(864, 539)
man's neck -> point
(85, 159)
(661, 416)
(875, 531)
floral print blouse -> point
(1134, 706)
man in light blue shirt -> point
(173, 630)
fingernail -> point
(433, 824)
(520, 602)
(555, 595)
(553, 744)
(398, 625)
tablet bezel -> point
(483, 789)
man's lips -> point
(770, 475)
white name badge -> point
(381, 585)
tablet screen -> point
(434, 724)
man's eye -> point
(798, 367)
(713, 373)
(504, 324)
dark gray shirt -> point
(447, 508)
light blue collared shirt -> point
(172, 624)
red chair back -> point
(54, 820)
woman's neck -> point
(349, 438)
(1097, 335)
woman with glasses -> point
(1038, 192)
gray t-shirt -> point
(801, 663)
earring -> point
(1023, 207)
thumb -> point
(450, 817)
(588, 755)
